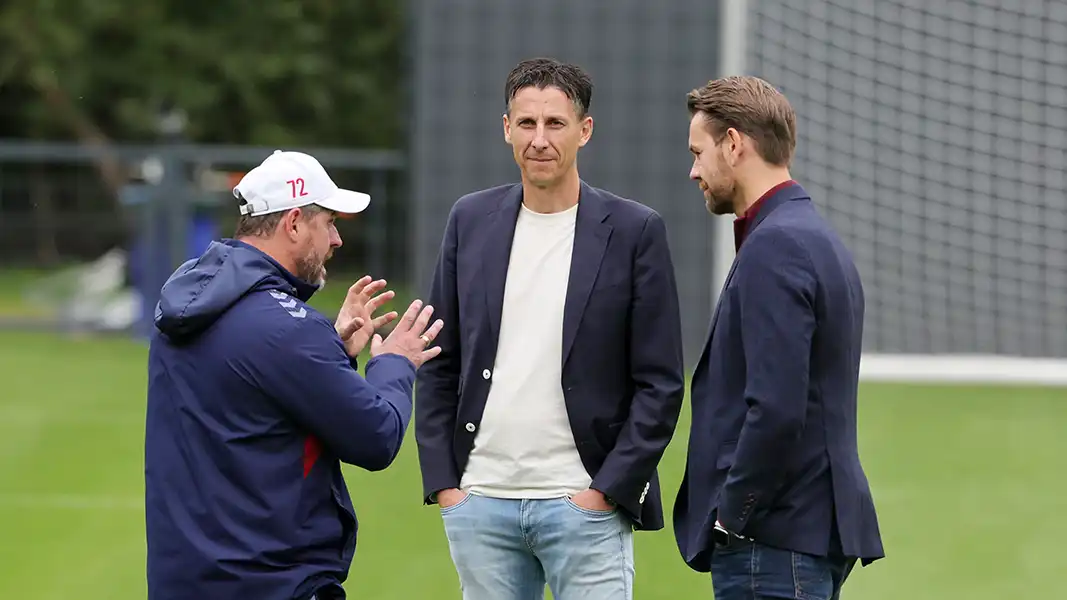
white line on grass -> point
(70, 501)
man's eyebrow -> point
(548, 117)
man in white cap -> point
(254, 400)
(288, 180)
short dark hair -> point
(546, 72)
(263, 226)
(753, 107)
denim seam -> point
(524, 528)
(753, 566)
(622, 563)
(797, 592)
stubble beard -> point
(312, 269)
(720, 201)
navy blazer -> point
(623, 371)
(772, 451)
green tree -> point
(283, 72)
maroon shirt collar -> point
(743, 223)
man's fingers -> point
(371, 288)
(376, 302)
(424, 318)
(409, 316)
(357, 288)
(375, 343)
(384, 320)
(350, 328)
(432, 352)
(431, 333)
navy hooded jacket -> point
(252, 404)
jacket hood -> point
(204, 288)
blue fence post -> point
(162, 242)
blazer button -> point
(469, 427)
(486, 374)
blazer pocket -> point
(611, 295)
(611, 284)
(607, 436)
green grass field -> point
(970, 485)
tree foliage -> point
(281, 72)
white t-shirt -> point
(524, 448)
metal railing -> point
(144, 208)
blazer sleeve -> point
(776, 287)
(658, 371)
(437, 386)
(305, 369)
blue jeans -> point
(509, 550)
(747, 571)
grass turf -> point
(968, 483)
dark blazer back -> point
(773, 451)
(623, 371)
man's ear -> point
(734, 145)
(587, 131)
(507, 128)
(290, 223)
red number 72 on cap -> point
(294, 182)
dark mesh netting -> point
(934, 136)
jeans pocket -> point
(456, 506)
(734, 545)
(812, 578)
(589, 511)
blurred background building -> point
(932, 134)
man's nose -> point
(540, 141)
(335, 239)
(693, 172)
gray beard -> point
(311, 271)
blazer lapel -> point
(786, 194)
(591, 236)
(496, 254)
(715, 314)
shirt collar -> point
(743, 224)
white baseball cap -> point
(286, 180)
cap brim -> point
(346, 202)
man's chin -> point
(317, 279)
(719, 207)
(542, 177)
